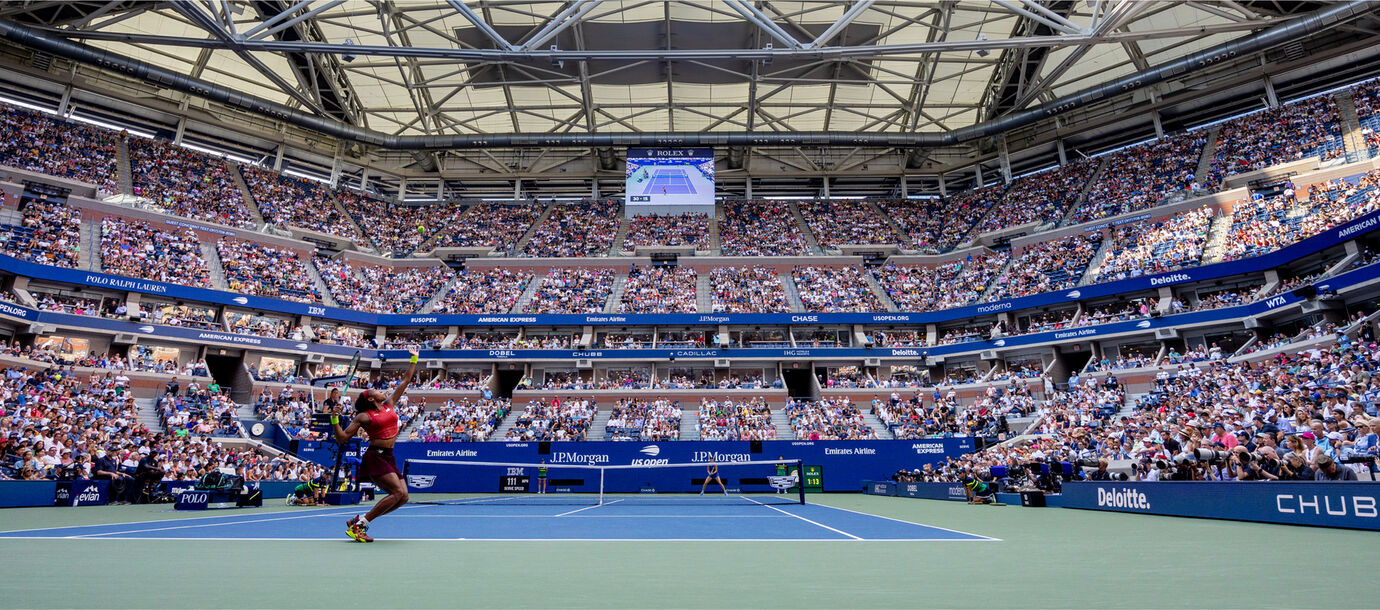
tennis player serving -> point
(374, 413)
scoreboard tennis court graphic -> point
(660, 177)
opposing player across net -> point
(764, 482)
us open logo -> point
(650, 450)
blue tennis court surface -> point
(669, 181)
(493, 519)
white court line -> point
(587, 508)
(589, 516)
(857, 512)
(803, 519)
(195, 525)
(541, 540)
(175, 520)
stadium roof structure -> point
(446, 96)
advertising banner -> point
(844, 464)
(1327, 239)
(1326, 504)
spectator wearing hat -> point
(1367, 438)
(1330, 470)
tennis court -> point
(53, 557)
(514, 518)
(670, 181)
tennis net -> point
(751, 482)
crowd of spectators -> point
(670, 230)
(396, 229)
(489, 225)
(747, 290)
(1294, 131)
(576, 229)
(735, 419)
(264, 326)
(1140, 176)
(947, 285)
(1148, 248)
(835, 223)
(494, 290)
(553, 420)
(835, 289)
(644, 420)
(460, 421)
(659, 290)
(287, 200)
(936, 225)
(266, 271)
(48, 234)
(51, 145)
(187, 183)
(1044, 198)
(910, 418)
(1047, 266)
(830, 419)
(377, 289)
(760, 228)
(573, 290)
(54, 426)
(137, 249)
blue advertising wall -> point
(1327, 504)
(847, 464)
(1328, 239)
(927, 491)
(27, 493)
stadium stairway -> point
(877, 426)
(208, 252)
(792, 295)
(88, 258)
(501, 432)
(1083, 194)
(1205, 161)
(1105, 248)
(715, 243)
(440, 294)
(532, 230)
(598, 424)
(704, 294)
(620, 283)
(123, 172)
(340, 207)
(896, 228)
(624, 224)
(1351, 125)
(690, 424)
(1217, 239)
(147, 409)
(782, 423)
(526, 296)
(876, 288)
(249, 202)
(321, 287)
(805, 231)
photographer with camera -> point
(1245, 466)
(1294, 468)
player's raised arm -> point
(407, 379)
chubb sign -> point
(1325, 504)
